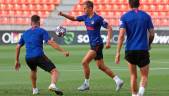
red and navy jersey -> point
(137, 23)
(93, 26)
(33, 39)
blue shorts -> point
(99, 51)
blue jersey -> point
(137, 23)
(93, 26)
(33, 39)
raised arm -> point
(72, 18)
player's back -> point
(137, 24)
(33, 39)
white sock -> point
(134, 94)
(116, 79)
(52, 84)
(86, 81)
(141, 90)
(34, 88)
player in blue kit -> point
(33, 39)
(138, 27)
(93, 24)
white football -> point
(60, 31)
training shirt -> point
(33, 39)
(93, 26)
(137, 23)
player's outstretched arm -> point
(56, 46)
(72, 18)
(109, 36)
(17, 63)
(119, 44)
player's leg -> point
(85, 63)
(144, 69)
(144, 78)
(32, 64)
(109, 72)
(33, 77)
(133, 78)
(54, 75)
(48, 66)
(104, 68)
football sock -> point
(116, 79)
(86, 81)
(141, 90)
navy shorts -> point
(99, 51)
(42, 62)
(140, 58)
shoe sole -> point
(84, 89)
(60, 93)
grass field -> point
(14, 83)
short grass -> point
(14, 83)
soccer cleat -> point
(83, 87)
(53, 88)
(119, 85)
(35, 91)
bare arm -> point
(56, 46)
(72, 18)
(151, 36)
(17, 63)
(109, 36)
(119, 44)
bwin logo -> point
(161, 39)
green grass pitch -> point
(14, 83)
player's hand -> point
(60, 13)
(66, 53)
(117, 58)
(17, 66)
(108, 45)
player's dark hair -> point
(35, 19)
(89, 4)
(134, 3)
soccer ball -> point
(60, 31)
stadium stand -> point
(112, 10)
(20, 11)
(17, 13)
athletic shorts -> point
(138, 57)
(42, 62)
(99, 51)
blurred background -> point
(15, 17)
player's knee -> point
(84, 63)
(54, 71)
(100, 67)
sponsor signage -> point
(78, 37)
